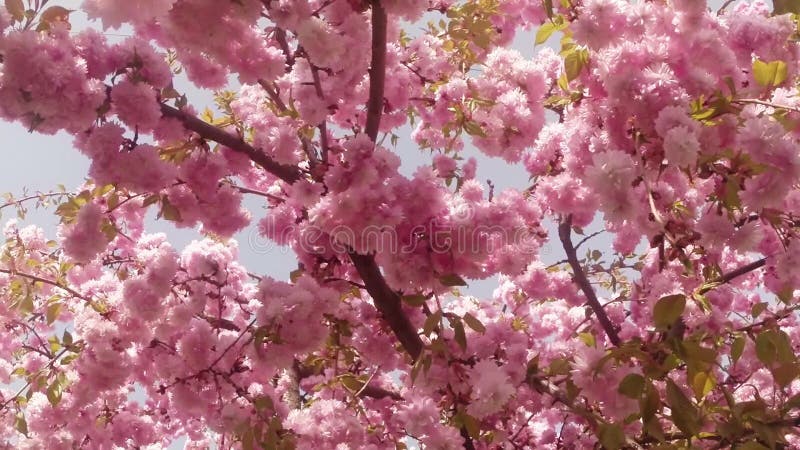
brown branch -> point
(368, 390)
(564, 232)
(246, 190)
(56, 284)
(38, 196)
(49, 366)
(753, 101)
(323, 127)
(280, 104)
(292, 395)
(377, 392)
(388, 302)
(377, 70)
(730, 276)
(724, 6)
(286, 173)
(273, 95)
(280, 37)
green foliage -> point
(668, 310)
(769, 74)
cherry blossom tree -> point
(674, 126)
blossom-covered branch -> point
(210, 132)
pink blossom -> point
(85, 238)
(135, 104)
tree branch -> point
(292, 395)
(286, 173)
(388, 302)
(564, 233)
(754, 101)
(323, 127)
(377, 392)
(56, 284)
(377, 70)
(728, 277)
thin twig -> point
(56, 284)
(40, 195)
(582, 241)
(724, 6)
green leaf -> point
(248, 439)
(472, 425)
(545, 31)
(769, 74)
(473, 129)
(702, 384)
(20, 424)
(452, 280)
(16, 9)
(652, 427)
(295, 275)
(683, 412)
(150, 200)
(67, 338)
(667, 310)
(460, 335)
(574, 61)
(263, 403)
(54, 392)
(53, 312)
(766, 348)
(415, 299)
(632, 386)
(563, 82)
(588, 339)
(737, 348)
(757, 309)
(69, 358)
(785, 373)
(730, 193)
(474, 323)
(169, 211)
(611, 436)
(786, 6)
(351, 382)
(51, 15)
(752, 445)
(431, 323)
